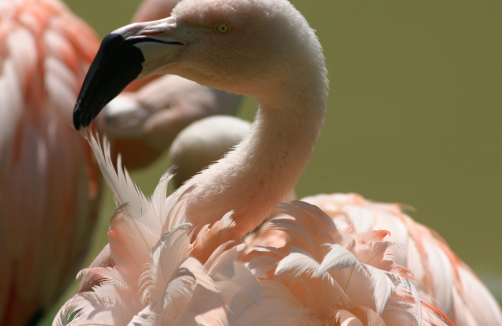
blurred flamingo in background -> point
(144, 120)
(49, 180)
(261, 170)
(204, 142)
(144, 123)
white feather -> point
(382, 287)
(297, 263)
(124, 190)
(338, 258)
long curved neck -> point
(264, 167)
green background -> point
(414, 114)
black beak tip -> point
(82, 118)
(76, 117)
(117, 63)
(76, 124)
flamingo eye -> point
(223, 28)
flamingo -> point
(274, 45)
(49, 180)
(204, 142)
(195, 148)
(438, 272)
(144, 120)
(143, 123)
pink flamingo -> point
(49, 180)
(203, 143)
(144, 120)
(142, 124)
(261, 49)
(438, 272)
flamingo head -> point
(248, 47)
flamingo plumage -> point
(49, 180)
(447, 281)
(161, 277)
(439, 272)
(196, 147)
(249, 180)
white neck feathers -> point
(262, 170)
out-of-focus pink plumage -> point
(49, 182)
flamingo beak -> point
(131, 52)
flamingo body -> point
(439, 272)
(449, 283)
(321, 275)
(49, 182)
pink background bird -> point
(49, 180)
(143, 121)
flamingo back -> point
(49, 182)
(451, 285)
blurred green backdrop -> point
(415, 114)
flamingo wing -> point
(452, 286)
(49, 182)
